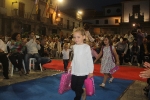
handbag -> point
(65, 83)
(113, 70)
(94, 53)
(89, 86)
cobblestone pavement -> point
(134, 92)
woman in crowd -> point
(16, 52)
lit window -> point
(116, 21)
(136, 15)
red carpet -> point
(124, 72)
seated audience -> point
(32, 46)
(135, 51)
(4, 59)
(121, 48)
(16, 52)
(44, 52)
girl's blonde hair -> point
(79, 29)
(65, 45)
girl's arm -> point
(116, 56)
(99, 55)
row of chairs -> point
(31, 64)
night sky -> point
(87, 4)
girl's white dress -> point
(107, 62)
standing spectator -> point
(140, 37)
(130, 37)
(88, 36)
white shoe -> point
(129, 63)
(111, 79)
(138, 64)
(102, 85)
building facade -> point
(135, 12)
(123, 17)
(42, 16)
(108, 22)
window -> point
(136, 15)
(73, 24)
(116, 21)
(61, 20)
(118, 10)
(136, 8)
(97, 21)
(67, 24)
(2, 3)
(108, 11)
(21, 9)
(106, 21)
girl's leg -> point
(65, 64)
(105, 78)
(110, 75)
(77, 84)
(111, 78)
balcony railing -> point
(3, 11)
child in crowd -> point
(107, 62)
(81, 65)
(65, 53)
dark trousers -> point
(138, 57)
(16, 60)
(77, 84)
(5, 64)
(120, 56)
(65, 61)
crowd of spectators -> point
(133, 47)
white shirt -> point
(129, 37)
(66, 53)
(82, 63)
(3, 46)
(32, 47)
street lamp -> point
(133, 25)
(60, 0)
(79, 14)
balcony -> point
(3, 11)
(15, 12)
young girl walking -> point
(65, 53)
(81, 65)
(107, 62)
